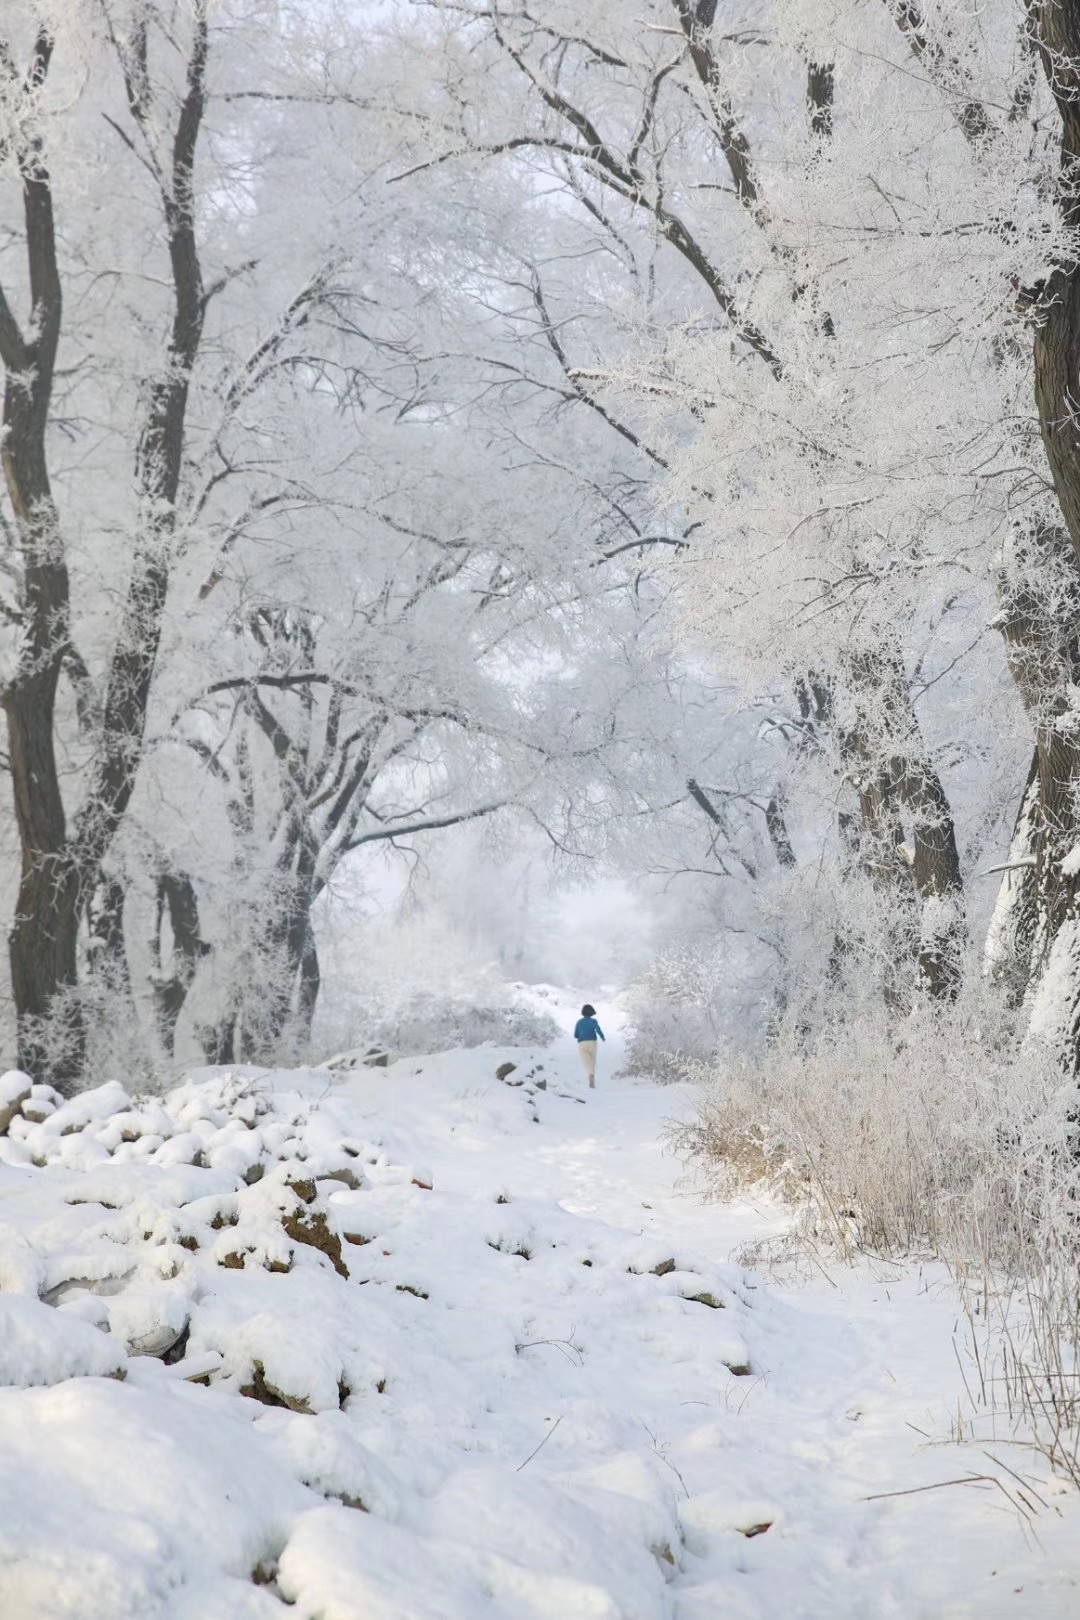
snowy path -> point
(528, 1383)
(855, 1387)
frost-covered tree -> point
(155, 125)
(419, 415)
(719, 161)
(315, 557)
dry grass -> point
(942, 1138)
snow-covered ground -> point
(419, 1343)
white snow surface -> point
(543, 1391)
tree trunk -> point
(1010, 940)
(1039, 591)
(907, 838)
(176, 896)
(42, 942)
(881, 856)
(218, 1041)
(776, 827)
(1054, 994)
(61, 872)
(294, 968)
(1056, 24)
(310, 985)
(935, 870)
(108, 949)
(158, 466)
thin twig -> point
(914, 1490)
(543, 1443)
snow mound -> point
(303, 1352)
(43, 1346)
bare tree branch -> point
(433, 824)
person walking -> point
(586, 1031)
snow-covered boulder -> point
(39, 1345)
(22, 1270)
(15, 1089)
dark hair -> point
(588, 1012)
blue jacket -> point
(587, 1029)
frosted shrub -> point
(667, 1038)
(429, 1023)
(942, 1134)
(689, 1004)
(113, 1042)
(948, 1135)
(417, 983)
(426, 1023)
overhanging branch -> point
(433, 824)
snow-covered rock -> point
(39, 1345)
(15, 1089)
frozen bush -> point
(376, 968)
(687, 1006)
(667, 1037)
(431, 1023)
(104, 1026)
(948, 1134)
(942, 1134)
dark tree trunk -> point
(819, 98)
(310, 985)
(1010, 946)
(43, 938)
(158, 466)
(935, 870)
(881, 857)
(218, 1041)
(1039, 590)
(923, 809)
(907, 839)
(1055, 988)
(176, 897)
(61, 876)
(294, 965)
(108, 950)
(777, 829)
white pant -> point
(588, 1058)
